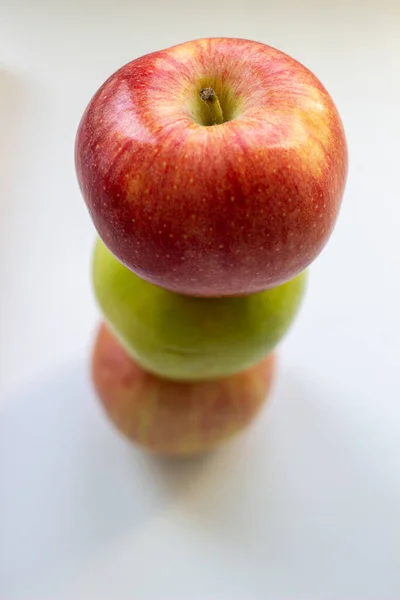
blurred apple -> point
(175, 418)
(213, 168)
(185, 338)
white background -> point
(306, 504)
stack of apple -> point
(213, 172)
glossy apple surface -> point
(183, 337)
(175, 418)
(213, 210)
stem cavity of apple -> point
(210, 98)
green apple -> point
(188, 338)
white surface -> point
(306, 505)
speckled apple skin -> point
(173, 418)
(218, 210)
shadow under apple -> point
(73, 491)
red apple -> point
(213, 168)
(175, 418)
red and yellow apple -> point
(188, 338)
(175, 418)
(213, 199)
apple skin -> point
(188, 338)
(219, 210)
(175, 418)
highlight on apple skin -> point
(175, 418)
(185, 338)
(206, 202)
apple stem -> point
(210, 98)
